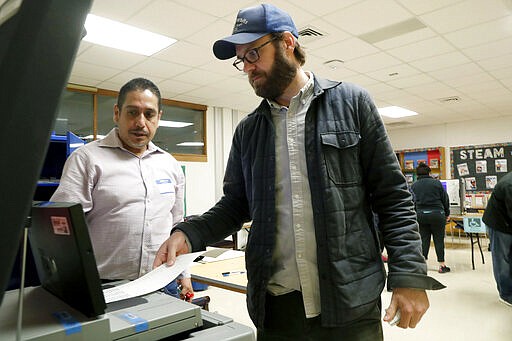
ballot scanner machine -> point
(70, 303)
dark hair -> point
(423, 169)
(298, 52)
(138, 84)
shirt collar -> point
(112, 140)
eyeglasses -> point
(251, 56)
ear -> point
(116, 113)
(289, 40)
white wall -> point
(204, 179)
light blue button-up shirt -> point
(294, 260)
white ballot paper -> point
(152, 281)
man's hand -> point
(174, 246)
(412, 303)
(187, 291)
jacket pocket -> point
(341, 157)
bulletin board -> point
(481, 167)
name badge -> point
(165, 186)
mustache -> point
(138, 131)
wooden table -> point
(211, 273)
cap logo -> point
(240, 22)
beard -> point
(277, 79)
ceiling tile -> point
(109, 57)
(432, 91)
(216, 8)
(327, 6)
(93, 72)
(206, 38)
(345, 50)
(503, 73)
(415, 80)
(394, 72)
(123, 77)
(186, 54)
(199, 77)
(331, 34)
(464, 14)
(457, 72)
(481, 34)
(422, 49)
(495, 62)
(376, 14)
(171, 19)
(404, 39)
(486, 51)
(118, 10)
(372, 62)
(420, 7)
(442, 61)
(159, 68)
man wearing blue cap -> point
(309, 166)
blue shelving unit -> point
(60, 147)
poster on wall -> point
(501, 166)
(470, 183)
(480, 167)
(463, 169)
(490, 181)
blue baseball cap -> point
(251, 24)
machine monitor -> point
(64, 256)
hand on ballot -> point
(152, 281)
(174, 246)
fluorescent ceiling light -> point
(174, 124)
(396, 112)
(124, 37)
(190, 144)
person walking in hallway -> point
(433, 210)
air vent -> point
(451, 99)
(310, 34)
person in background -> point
(308, 166)
(498, 218)
(433, 210)
(132, 192)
